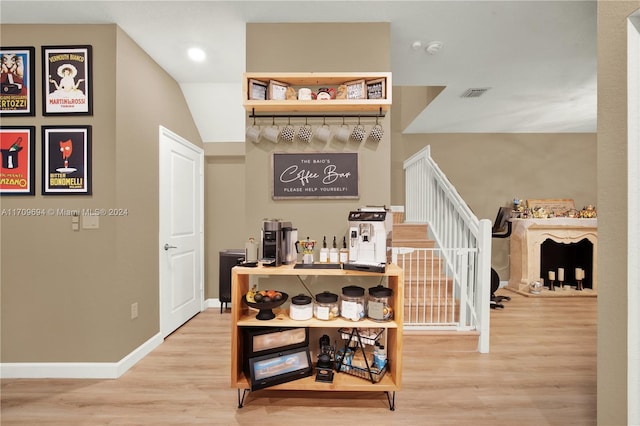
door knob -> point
(167, 247)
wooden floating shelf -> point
(314, 81)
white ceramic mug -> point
(305, 133)
(272, 133)
(253, 133)
(343, 133)
(358, 133)
(323, 133)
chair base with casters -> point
(496, 301)
(502, 221)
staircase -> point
(430, 306)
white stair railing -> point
(463, 242)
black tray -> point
(317, 266)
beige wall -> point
(613, 399)
(320, 48)
(55, 312)
(489, 170)
(238, 188)
(66, 295)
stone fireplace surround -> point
(527, 237)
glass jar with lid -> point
(352, 305)
(326, 306)
(301, 308)
(378, 303)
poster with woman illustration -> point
(17, 145)
(66, 160)
(67, 80)
(17, 81)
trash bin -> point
(228, 259)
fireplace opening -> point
(554, 255)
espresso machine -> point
(278, 243)
(370, 235)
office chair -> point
(501, 229)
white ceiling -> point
(538, 57)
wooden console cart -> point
(243, 316)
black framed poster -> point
(315, 175)
(66, 160)
(67, 80)
(17, 81)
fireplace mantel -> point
(527, 236)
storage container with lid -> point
(326, 306)
(352, 305)
(301, 308)
(378, 303)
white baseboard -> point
(85, 370)
(78, 370)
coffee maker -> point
(278, 243)
(370, 235)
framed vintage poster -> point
(67, 80)
(17, 145)
(315, 175)
(376, 88)
(66, 160)
(17, 81)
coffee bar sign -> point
(315, 175)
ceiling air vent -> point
(474, 93)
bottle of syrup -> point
(333, 253)
(324, 251)
(344, 251)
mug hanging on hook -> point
(358, 132)
(304, 132)
(288, 132)
(376, 132)
(343, 132)
(254, 132)
(272, 133)
(323, 133)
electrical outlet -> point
(134, 310)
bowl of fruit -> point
(265, 301)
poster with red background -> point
(17, 146)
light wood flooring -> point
(541, 371)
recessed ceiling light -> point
(196, 54)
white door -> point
(181, 231)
